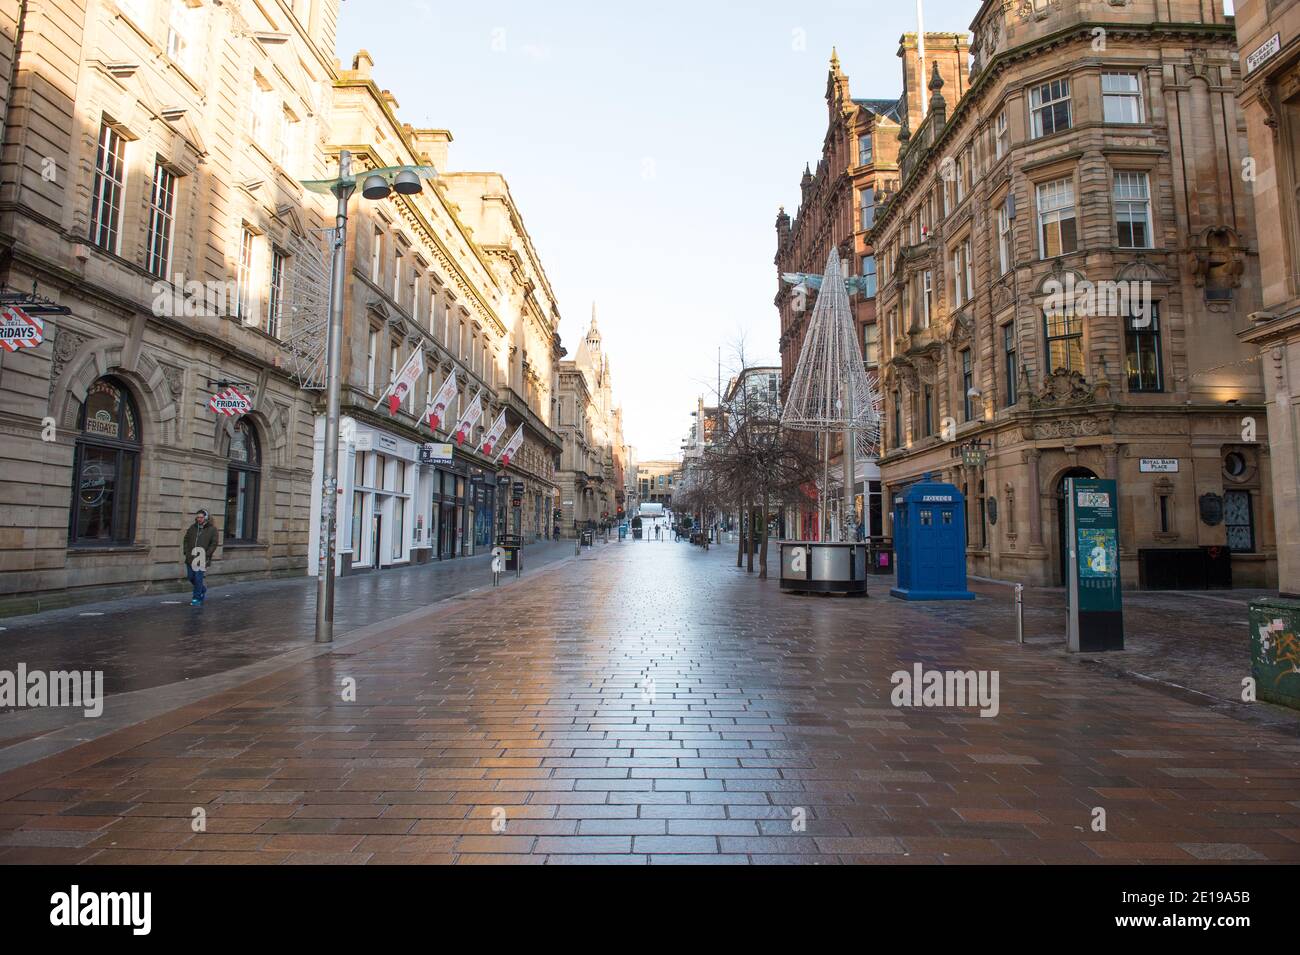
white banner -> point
(512, 446)
(493, 434)
(404, 383)
(470, 417)
(436, 412)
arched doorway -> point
(1062, 551)
(105, 467)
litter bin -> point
(1275, 649)
(880, 555)
(622, 531)
(586, 538)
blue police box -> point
(930, 543)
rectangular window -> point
(259, 116)
(288, 138)
(1010, 362)
(1004, 239)
(867, 198)
(1064, 333)
(1132, 210)
(898, 421)
(397, 274)
(871, 345)
(158, 251)
(967, 383)
(869, 276)
(927, 287)
(1121, 98)
(957, 284)
(1049, 108)
(1142, 363)
(275, 298)
(393, 358)
(180, 31)
(1001, 135)
(372, 352)
(928, 410)
(376, 254)
(864, 149)
(968, 273)
(110, 182)
(961, 178)
(244, 290)
(1056, 223)
(1239, 521)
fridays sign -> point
(20, 330)
(230, 402)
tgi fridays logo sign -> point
(20, 330)
(230, 402)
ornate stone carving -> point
(1063, 388)
(66, 344)
(1067, 428)
(175, 379)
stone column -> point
(1035, 499)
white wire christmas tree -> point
(831, 391)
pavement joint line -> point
(174, 698)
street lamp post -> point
(342, 190)
(379, 184)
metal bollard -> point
(1020, 613)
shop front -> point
(377, 524)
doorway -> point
(1062, 534)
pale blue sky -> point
(648, 147)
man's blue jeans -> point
(195, 577)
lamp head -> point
(375, 187)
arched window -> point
(105, 467)
(243, 480)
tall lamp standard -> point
(379, 184)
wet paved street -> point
(152, 640)
(652, 703)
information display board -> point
(1096, 613)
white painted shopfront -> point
(392, 509)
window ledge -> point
(83, 548)
(244, 545)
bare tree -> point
(753, 462)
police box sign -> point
(1158, 465)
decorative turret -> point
(938, 105)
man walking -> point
(196, 551)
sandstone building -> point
(1070, 161)
(1270, 64)
(149, 172)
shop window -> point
(106, 467)
(243, 483)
